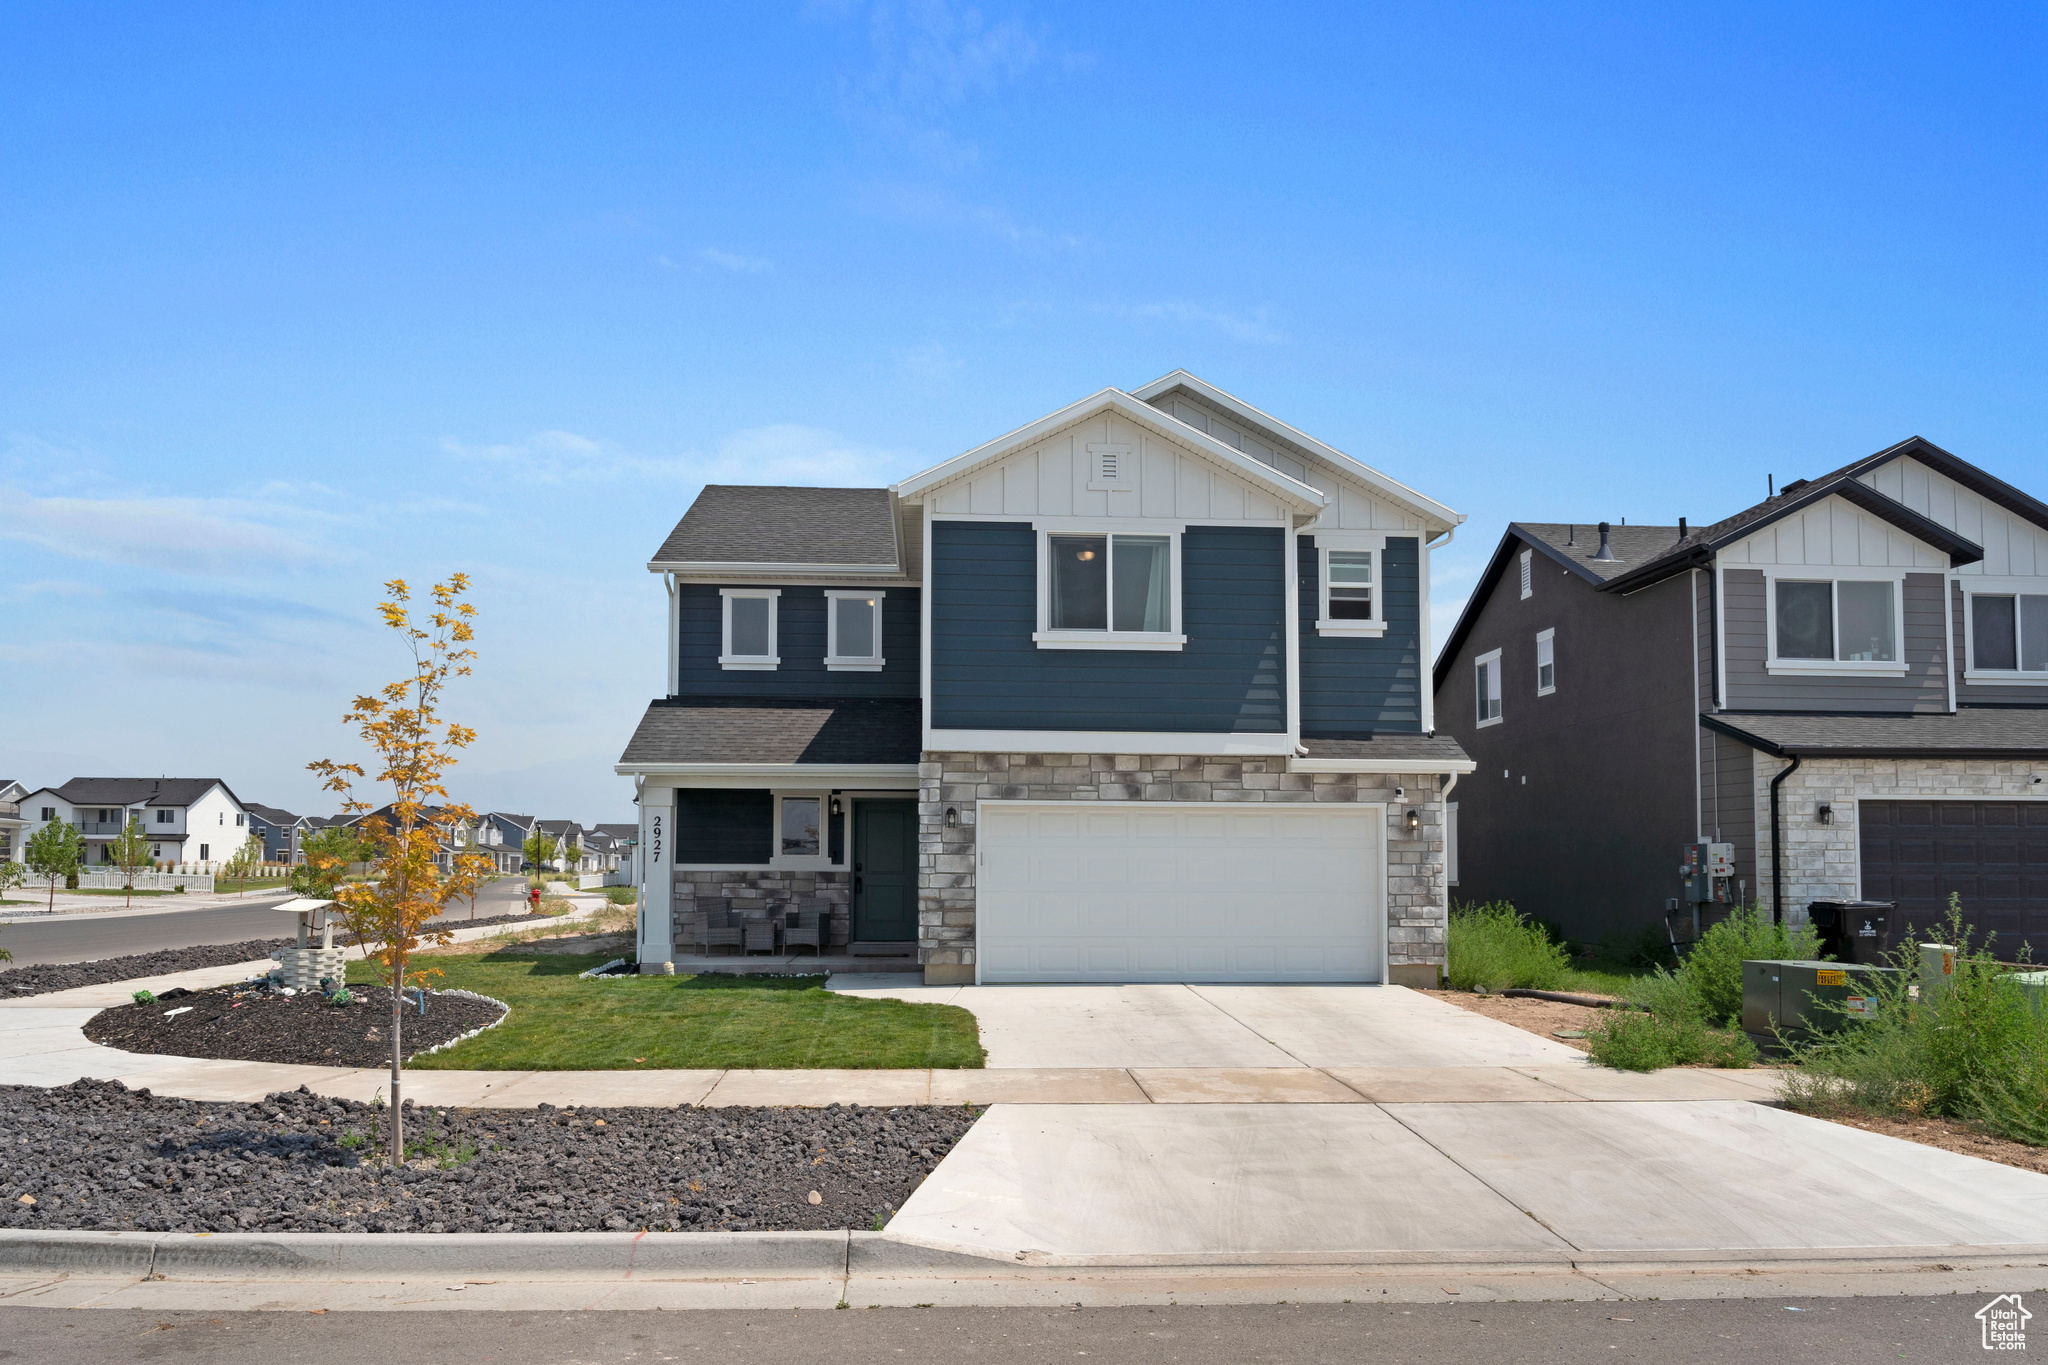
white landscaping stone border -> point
(466, 995)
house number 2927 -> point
(654, 839)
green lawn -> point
(249, 883)
(560, 1022)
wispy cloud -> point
(928, 53)
(174, 535)
(781, 453)
(1252, 327)
(732, 261)
(922, 206)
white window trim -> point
(794, 862)
(834, 661)
(1045, 637)
(744, 662)
(1831, 575)
(1376, 547)
(1544, 637)
(1490, 657)
(1998, 677)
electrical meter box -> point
(1806, 998)
(1707, 871)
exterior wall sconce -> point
(952, 817)
(1414, 821)
(1826, 813)
(835, 804)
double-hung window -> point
(2008, 637)
(1486, 687)
(1546, 662)
(1108, 590)
(1350, 589)
(853, 631)
(748, 632)
(1838, 625)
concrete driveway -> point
(1226, 1026)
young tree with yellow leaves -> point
(414, 749)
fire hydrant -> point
(533, 900)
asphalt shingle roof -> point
(128, 791)
(271, 815)
(1574, 545)
(1423, 750)
(744, 524)
(1973, 731)
(754, 730)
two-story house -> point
(1132, 693)
(280, 831)
(12, 826)
(194, 820)
(1847, 682)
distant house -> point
(188, 819)
(281, 832)
(12, 832)
(1847, 683)
(503, 835)
(566, 833)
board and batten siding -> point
(799, 643)
(1833, 533)
(1050, 479)
(1746, 647)
(1355, 507)
(2013, 546)
(987, 674)
(1354, 686)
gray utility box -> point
(1784, 994)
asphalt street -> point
(1697, 1332)
(85, 937)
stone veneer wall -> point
(945, 898)
(754, 893)
(1821, 861)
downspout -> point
(1777, 858)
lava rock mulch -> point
(63, 976)
(96, 1155)
(257, 1024)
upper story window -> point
(1108, 590)
(1349, 597)
(853, 631)
(1486, 687)
(1841, 625)
(49, 813)
(164, 817)
(748, 640)
(1546, 662)
(2008, 634)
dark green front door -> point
(884, 871)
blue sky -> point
(296, 299)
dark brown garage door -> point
(1994, 854)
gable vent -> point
(1525, 572)
(1110, 468)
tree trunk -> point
(397, 1061)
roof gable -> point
(1119, 409)
(1288, 441)
(146, 791)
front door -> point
(884, 871)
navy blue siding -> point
(730, 827)
(1352, 686)
(799, 643)
(988, 675)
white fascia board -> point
(1381, 765)
(1289, 490)
(721, 569)
(792, 775)
(1429, 509)
(1106, 742)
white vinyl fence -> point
(146, 881)
(589, 881)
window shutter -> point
(1525, 573)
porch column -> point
(656, 937)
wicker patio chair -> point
(760, 935)
(719, 928)
(805, 925)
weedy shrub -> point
(1973, 1049)
(1494, 947)
(1669, 1028)
(1713, 969)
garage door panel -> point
(1918, 853)
(1171, 894)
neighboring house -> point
(454, 836)
(505, 835)
(281, 832)
(1848, 682)
(1133, 693)
(622, 840)
(13, 829)
(564, 833)
(188, 819)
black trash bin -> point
(1853, 931)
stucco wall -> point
(1415, 866)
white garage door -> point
(1160, 892)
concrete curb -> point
(838, 1255)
